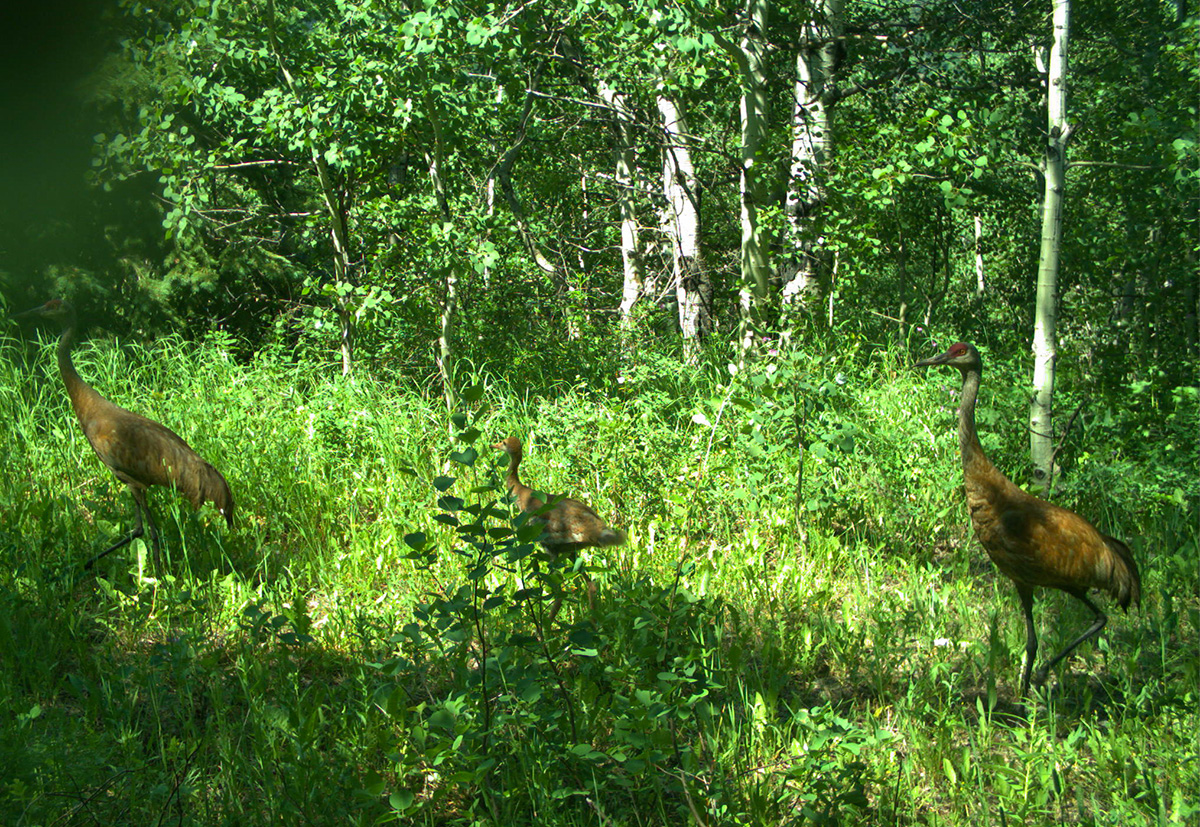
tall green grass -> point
(370, 642)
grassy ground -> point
(369, 643)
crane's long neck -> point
(521, 492)
(83, 396)
(973, 458)
(511, 479)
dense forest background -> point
(689, 253)
(291, 173)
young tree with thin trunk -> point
(623, 157)
(816, 63)
(681, 225)
(980, 277)
(750, 56)
(435, 161)
(1041, 424)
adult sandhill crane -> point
(1031, 541)
(567, 525)
(139, 451)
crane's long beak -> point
(41, 311)
(940, 359)
(26, 314)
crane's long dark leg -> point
(139, 506)
(1025, 592)
(139, 497)
(1092, 631)
(138, 531)
(589, 584)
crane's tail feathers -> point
(1125, 584)
(611, 537)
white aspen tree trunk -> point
(1041, 426)
(681, 224)
(490, 196)
(755, 259)
(832, 288)
(980, 281)
(623, 154)
(811, 153)
(584, 214)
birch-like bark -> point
(816, 64)
(755, 259)
(1041, 426)
(681, 224)
(980, 279)
(623, 156)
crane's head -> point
(55, 310)
(960, 355)
(511, 446)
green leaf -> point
(374, 784)
(530, 532)
(466, 457)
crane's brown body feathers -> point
(567, 526)
(139, 451)
(1034, 542)
(1013, 525)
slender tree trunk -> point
(1191, 319)
(943, 229)
(342, 266)
(755, 258)
(623, 156)
(621, 121)
(980, 280)
(449, 309)
(503, 173)
(816, 65)
(902, 273)
(1041, 426)
(681, 224)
